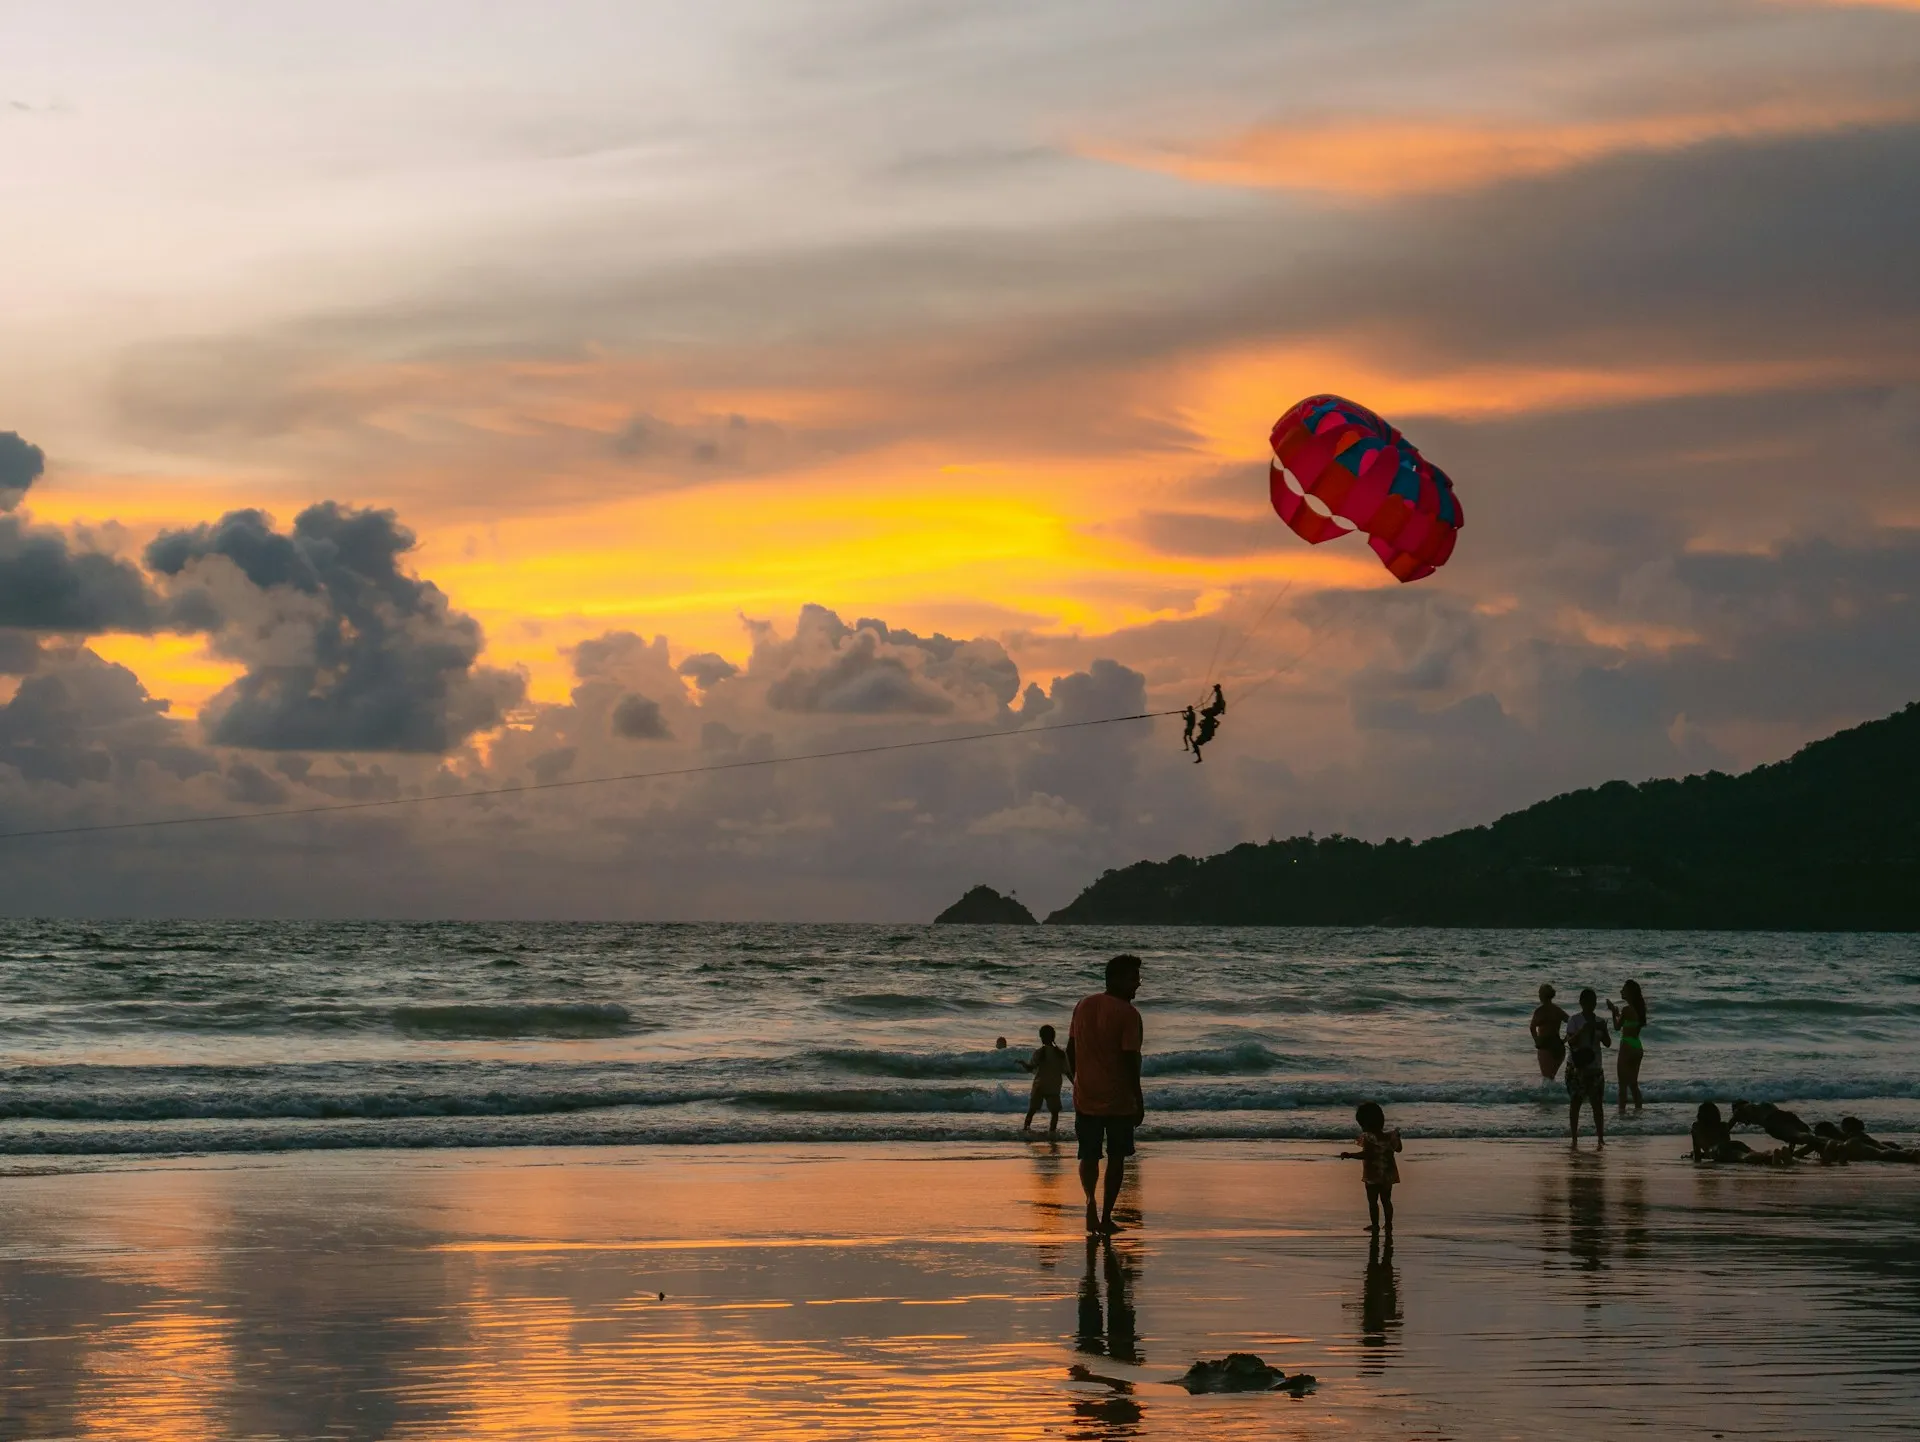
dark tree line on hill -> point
(1826, 840)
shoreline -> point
(24, 1140)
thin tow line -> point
(390, 801)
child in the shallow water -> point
(1379, 1170)
(1048, 1065)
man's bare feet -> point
(1093, 1221)
(1108, 1226)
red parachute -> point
(1338, 468)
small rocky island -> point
(983, 906)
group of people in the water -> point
(1578, 1041)
(1102, 1059)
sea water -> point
(248, 1036)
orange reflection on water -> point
(158, 1376)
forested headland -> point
(1826, 840)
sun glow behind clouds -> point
(973, 543)
(1379, 159)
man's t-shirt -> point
(1585, 1035)
(1103, 1027)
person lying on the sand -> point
(1858, 1146)
(1782, 1125)
(1713, 1141)
(1836, 1148)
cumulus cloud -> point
(872, 669)
(344, 650)
(21, 464)
(708, 669)
(636, 718)
(49, 584)
(46, 584)
(82, 719)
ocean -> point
(178, 1037)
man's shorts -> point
(1587, 1083)
(1115, 1132)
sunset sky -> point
(683, 338)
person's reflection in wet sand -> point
(1635, 1238)
(1112, 1330)
(1587, 1235)
(1108, 1327)
(1050, 1205)
(1099, 1418)
(1380, 1317)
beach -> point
(945, 1289)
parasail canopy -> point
(1339, 468)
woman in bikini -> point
(1630, 1019)
(1548, 1046)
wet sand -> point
(944, 1290)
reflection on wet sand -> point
(900, 1293)
(1587, 1236)
(1054, 1206)
(1380, 1317)
(1108, 1328)
(1112, 1331)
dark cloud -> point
(1822, 632)
(550, 766)
(21, 464)
(1093, 768)
(707, 669)
(48, 585)
(857, 680)
(617, 653)
(636, 718)
(250, 785)
(82, 719)
(19, 653)
(344, 650)
(1787, 249)
(248, 539)
(718, 736)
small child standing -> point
(1049, 1066)
(1379, 1170)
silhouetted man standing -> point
(1103, 1059)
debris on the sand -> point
(1244, 1372)
(1080, 1373)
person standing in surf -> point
(1549, 1047)
(1048, 1065)
(1103, 1062)
(1630, 1018)
(1586, 1070)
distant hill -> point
(983, 906)
(1826, 840)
